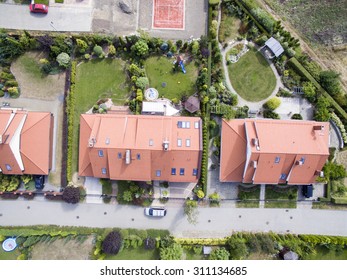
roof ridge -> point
(243, 162)
(31, 162)
(34, 124)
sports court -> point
(168, 14)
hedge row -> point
(70, 110)
(295, 64)
(201, 241)
(339, 200)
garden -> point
(252, 76)
(248, 196)
(280, 196)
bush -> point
(81, 46)
(63, 60)
(271, 115)
(296, 117)
(213, 2)
(98, 51)
(112, 243)
(238, 248)
(142, 82)
(71, 195)
(172, 252)
(111, 50)
(272, 103)
(219, 254)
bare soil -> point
(61, 250)
(323, 55)
(33, 84)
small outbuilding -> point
(192, 104)
(272, 48)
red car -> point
(38, 8)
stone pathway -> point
(262, 196)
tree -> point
(238, 248)
(81, 46)
(190, 209)
(63, 60)
(111, 50)
(310, 91)
(330, 81)
(172, 252)
(219, 254)
(333, 171)
(195, 47)
(150, 243)
(127, 196)
(140, 48)
(98, 51)
(322, 113)
(142, 82)
(273, 103)
(71, 195)
(112, 243)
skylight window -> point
(195, 172)
(101, 153)
(158, 173)
(103, 170)
(181, 171)
(283, 176)
(138, 156)
(8, 167)
(173, 171)
(277, 159)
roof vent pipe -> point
(127, 157)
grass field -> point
(228, 29)
(159, 70)
(135, 254)
(94, 80)
(276, 197)
(33, 83)
(252, 77)
(321, 21)
(8, 255)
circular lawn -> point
(252, 77)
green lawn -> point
(249, 197)
(159, 70)
(97, 79)
(135, 254)
(8, 255)
(252, 77)
(281, 197)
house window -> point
(195, 172)
(103, 170)
(179, 142)
(151, 142)
(277, 160)
(181, 171)
(196, 124)
(283, 176)
(158, 173)
(187, 142)
(179, 124)
(138, 156)
(173, 171)
(119, 155)
(8, 167)
(101, 153)
(187, 124)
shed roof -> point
(274, 46)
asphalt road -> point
(212, 222)
(57, 19)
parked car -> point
(307, 191)
(155, 211)
(38, 8)
(39, 182)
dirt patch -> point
(62, 250)
(34, 84)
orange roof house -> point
(273, 151)
(140, 147)
(25, 142)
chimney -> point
(318, 127)
(127, 157)
(166, 145)
(91, 142)
(319, 173)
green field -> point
(135, 254)
(97, 79)
(8, 255)
(252, 77)
(322, 21)
(159, 70)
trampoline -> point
(151, 94)
(9, 244)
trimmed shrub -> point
(98, 51)
(63, 60)
(273, 103)
(112, 243)
(71, 195)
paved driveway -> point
(65, 18)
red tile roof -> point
(26, 142)
(273, 151)
(131, 147)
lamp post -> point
(51, 24)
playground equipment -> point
(181, 64)
(9, 244)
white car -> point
(155, 211)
